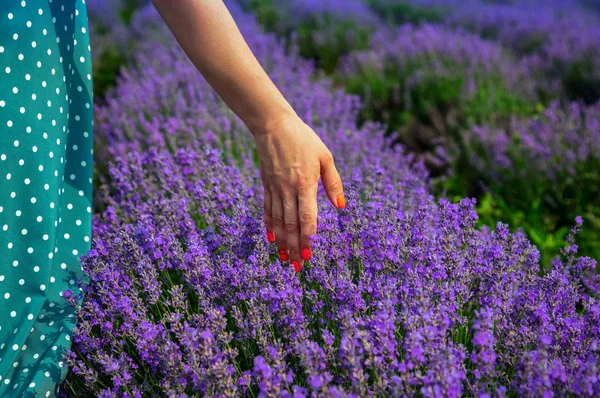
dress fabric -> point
(45, 187)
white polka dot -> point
(42, 288)
(13, 314)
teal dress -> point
(45, 186)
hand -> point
(292, 158)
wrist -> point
(270, 123)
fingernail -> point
(296, 266)
(306, 254)
(270, 237)
(283, 255)
(341, 201)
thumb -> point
(332, 182)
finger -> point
(332, 182)
(279, 225)
(268, 204)
(307, 214)
(292, 228)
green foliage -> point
(325, 39)
(127, 11)
(106, 70)
(581, 80)
(388, 97)
(266, 14)
(523, 197)
(493, 102)
(397, 13)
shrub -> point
(186, 296)
(540, 174)
(322, 31)
(438, 77)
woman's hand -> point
(292, 158)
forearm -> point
(211, 39)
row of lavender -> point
(403, 296)
(439, 68)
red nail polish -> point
(283, 255)
(306, 254)
(341, 201)
(270, 237)
(296, 266)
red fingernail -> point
(341, 201)
(306, 254)
(296, 266)
(270, 237)
(283, 255)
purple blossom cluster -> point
(403, 295)
(300, 10)
(558, 38)
(428, 51)
(558, 145)
(186, 296)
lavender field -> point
(467, 134)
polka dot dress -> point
(45, 186)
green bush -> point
(326, 39)
(401, 12)
(534, 177)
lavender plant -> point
(559, 38)
(402, 297)
(540, 174)
(322, 30)
(112, 40)
(430, 76)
